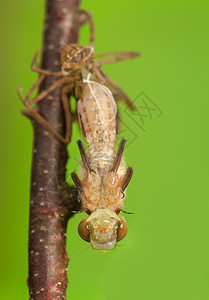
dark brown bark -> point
(51, 201)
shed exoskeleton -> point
(76, 63)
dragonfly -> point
(104, 177)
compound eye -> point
(122, 229)
(83, 230)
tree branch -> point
(51, 201)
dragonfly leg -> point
(118, 92)
(36, 116)
(33, 111)
(114, 57)
(43, 94)
(88, 17)
(42, 71)
(100, 76)
(34, 87)
(66, 106)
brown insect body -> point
(76, 57)
(104, 178)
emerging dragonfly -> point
(104, 179)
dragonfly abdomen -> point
(97, 114)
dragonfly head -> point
(103, 229)
(74, 57)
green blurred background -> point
(166, 253)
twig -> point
(51, 202)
